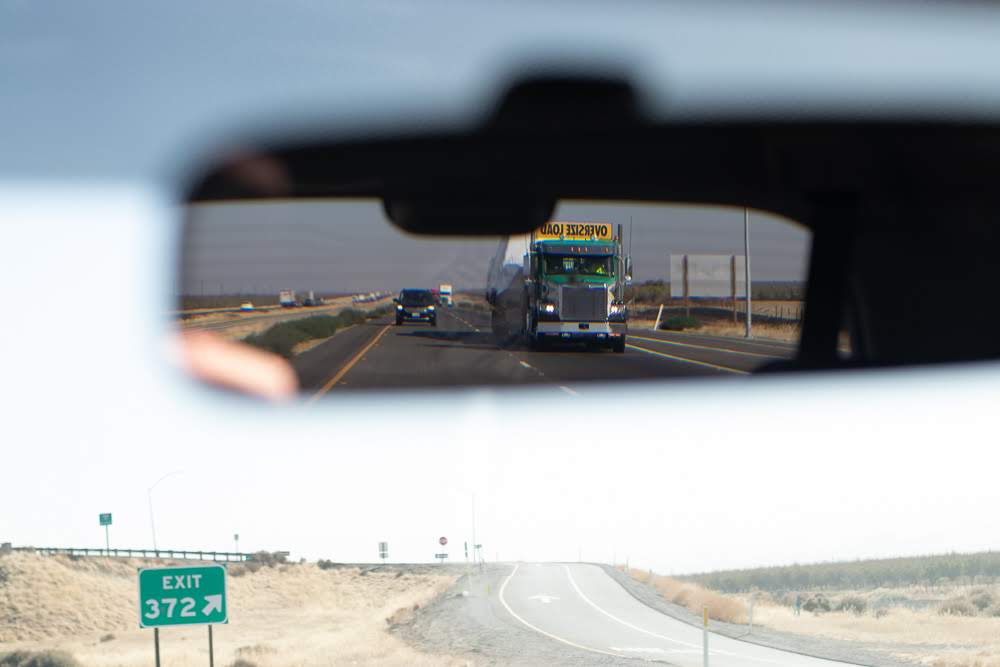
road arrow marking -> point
(214, 604)
(544, 599)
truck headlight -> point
(399, 307)
(430, 307)
(549, 308)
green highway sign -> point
(105, 519)
(182, 596)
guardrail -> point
(173, 554)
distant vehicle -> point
(286, 298)
(565, 283)
(444, 295)
(415, 305)
(311, 299)
(246, 307)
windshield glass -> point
(412, 297)
(566, 265)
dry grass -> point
(784, 332)
(906, 622)
(286, 615)
(694, 597)
(950, 641)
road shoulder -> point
(820, 647)
(469, 621)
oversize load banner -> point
(576, 231)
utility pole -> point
(149, 498)
(746, 270)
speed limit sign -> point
(443, 541)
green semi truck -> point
(562, 284)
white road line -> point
(569, 391)
(462, 320)
(583, 597)
(704, 347)
(685, 360)
(503, 601)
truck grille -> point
(586, 304)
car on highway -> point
(789, 462)
(416, 305)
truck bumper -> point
(595, 332)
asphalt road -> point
(461, 350)
(580, 606)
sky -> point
(349, 246)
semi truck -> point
(444, 294)
(563, 283)
(286, 298)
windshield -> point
(416, 297)
(566, 265)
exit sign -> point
(182, 596)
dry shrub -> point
(957, 607)
(38, 659)
(695, 598)
(982, 599)
(256, 650)
(854, 604)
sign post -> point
(443, 541)
(170, 596)
(105, 520)
(383, 550)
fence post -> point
(659, 313)
(704, 636)
(687, 290)
(732, 284)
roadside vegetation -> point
(656, 292)
(679, 323)
(62, 612)
(282, 338)
(38, 659)
(926, 571)
(939, 610)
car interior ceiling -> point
(902, 212)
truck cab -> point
(568, 289)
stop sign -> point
(443, 541)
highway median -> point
(283, 338)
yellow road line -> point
(704, 347)
(688, 361)
(349, 365)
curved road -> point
(581, 606)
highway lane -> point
(581, 606)
(461, 351)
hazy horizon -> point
(348, 246)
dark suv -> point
(416, 305)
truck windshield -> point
(416, 297)
(575, 265)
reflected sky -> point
(348, 246)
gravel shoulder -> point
(469, 622)
(873, 655)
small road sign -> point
(441, 557)
(383, 550)
(105, 519)
(443, 541)
(182, 596)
